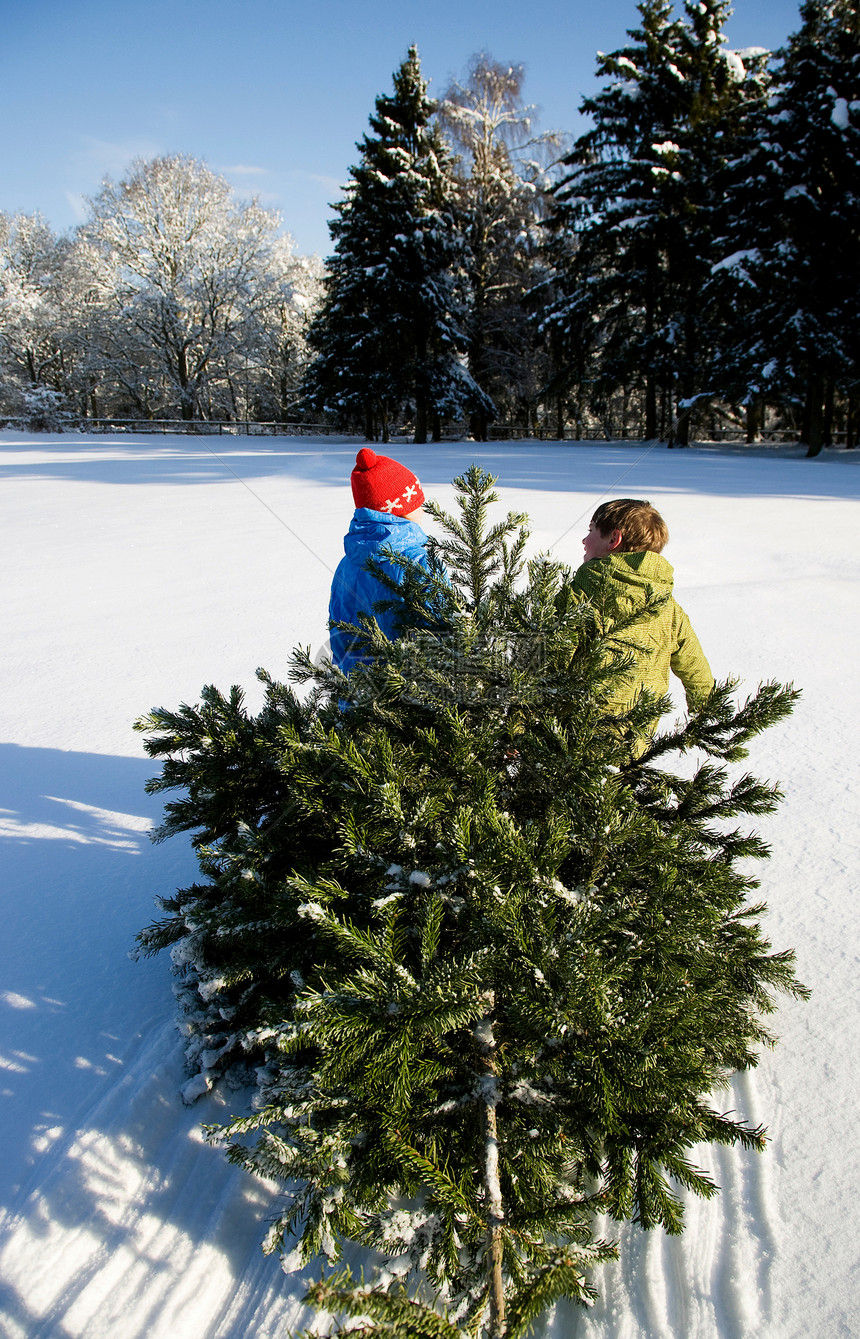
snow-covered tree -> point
(790, 263)
(182, 270)
(488, 953)
(636, 211)
(389, 336)
(280, 355)
(501, 198)
(32, 263)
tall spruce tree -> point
(608, 246)
(640, 201)
(487, 955)
(790, 263)
(388, 337)
(727, 90)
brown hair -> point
(641, 526)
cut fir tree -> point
(490, 955)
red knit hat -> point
(384, 484)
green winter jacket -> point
(618, 583)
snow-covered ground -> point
(136, 569)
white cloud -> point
(102, 157)
(330, 183)
(242, 170)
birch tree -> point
(501, 195)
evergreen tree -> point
(727, 89)
(488, 953)
(640, 200)
(790, 262)
(608, 248)
(388, 335)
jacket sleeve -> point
(688, 660)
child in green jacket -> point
(622, 561)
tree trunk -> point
(496, 1218)
(651, 289)
(682, 428)
(478, 425)
(283, 396)
(420, 418)
(186, 396)
(755, 417)
(650, 408)
(813, 417)
(495, 1210)
(851, 424)
(827, 418)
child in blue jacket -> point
(389, 502)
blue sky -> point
(271, 93)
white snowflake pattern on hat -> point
(398, 503)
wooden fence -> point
(497, 432)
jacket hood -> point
(636, 570)
(370, 530)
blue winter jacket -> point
(354, 591)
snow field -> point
(139, 568)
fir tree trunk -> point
(813, 416)
(478, 420)
(495, 1209)
(478, 425)
(755, 416)
(420, 418)
(650, 379)
(494, 1233)
(650, 408)
(851, 424)
(827, 424)
(682, 428)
